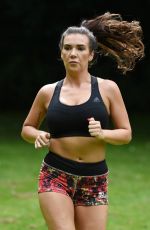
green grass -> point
(129, 183)
(19, 165)
(129, 187)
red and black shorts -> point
(85, 190)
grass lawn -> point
(129, 183)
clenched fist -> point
(42, 140)
(95, 129)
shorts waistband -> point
(74, 167)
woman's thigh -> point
(91, 217)
(58, 210)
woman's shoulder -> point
(45, 93)
(107, 84)
(109, 88)
(47, 89)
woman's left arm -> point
(121, 134)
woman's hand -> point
(95, 129)
(42, 140)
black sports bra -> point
(65, 120)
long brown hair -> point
(122, 40)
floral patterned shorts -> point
(83, 190)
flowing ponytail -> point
(119, 39)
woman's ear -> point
(91, 56)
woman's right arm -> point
(30, 130)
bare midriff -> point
(81, 149)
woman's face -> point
(75, 52)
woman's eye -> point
(67, 48)
(81, 48)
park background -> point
(30, 58)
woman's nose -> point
(73, 52)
